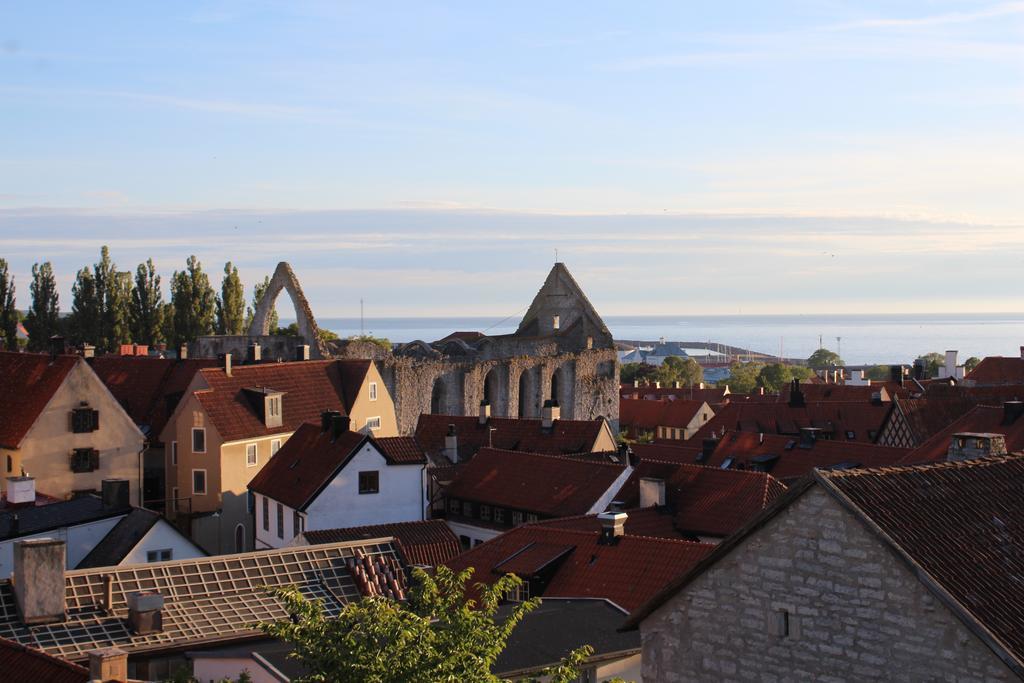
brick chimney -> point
(896, 373)
(108, 664)
(652, 492)
(485, 412)
(549, 414)
(451, 444)
(326, 418)
(38, 580)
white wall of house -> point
(80, 540)
(163, 536)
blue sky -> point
(430, 156)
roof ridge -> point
(571, 457)
(984, 461)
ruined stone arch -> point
(529, 393)
(446, 394)
(284, 278)
(495, 390)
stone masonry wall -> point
(856, 612)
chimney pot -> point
(227, 364)
(183, 352)
(485, 412)
(550, 413)
(88, 351)
(302, 352)
(326, 418)
(108, 664)
(39, 590)
(339, 425)
(613, 526)
(21, 490)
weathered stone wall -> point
(856, 612)
(272, 347)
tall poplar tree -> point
(43, 320)
(231, 303)
(84, 323)
(118, 309)
(147, 305)
(194, 302)
(104, 274)
(8, 312)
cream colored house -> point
(60, 424)
(232, 420)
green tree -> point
(877, 373)
(231, 303)
(438, 635)
(8, 310)
(119, 309)
(194, 302)
(932, 362)
(971, 363)
(104, 274)
(684, 370)
(742, 377)
(774, 377)
(257, 293)
(631, 372)
(43, 320)
(84, 322)
(823, 358)
(167, 332)
(147, 305)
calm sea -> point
(859, 338)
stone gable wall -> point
(856, 612)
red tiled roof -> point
(706, 501)
(304, 465)
(668, 451)
(925, 416)
(799, 460)
(527, 435)
(533, 558)
(148, 388)
(27, 383)
(310, 387)
(998, 370)
(710, 395)
(21, 664)
(863, 419)
(628, 573)
(548, 485)
(980, 419)
(653, 521)
(400, 450)
(650, 414)
(962, 523)
(428, 542)
(814, 393)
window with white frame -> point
(485, 513)
(499, 515)
(162, 555)
(373, 423)
(174, 452)
(517, 518)
(250, 455)
(198, 440)
(373, 391)
(198, 482)
(275, 446)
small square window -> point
(485, 513)
(85, 460)
(369, 482)
(275, 446)
(373, 423)
(84, 420)
(373, 391)
(499, 515)
(198, 440)
(250, 455)
(164, 555)
(199, 482)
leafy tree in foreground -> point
(8, 311)
(742, 377)
(43, 320)
(231, 302)
(823, 358)
(439, 635)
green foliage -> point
(231, 303)
(823, 358)
(382, 342)
(439, 635)
(182, 675)
(327, 335)
(877, 373)
(932, 362)
(257, 293)
(631, 372)
(8, 310)
(167, 332)
(684, 370)
(292, 330)
(119, 309)
(147, 307)
(84, 322)
(194, 302)
(774, 376)
(742, 377)
(971, 363)
(43, 320)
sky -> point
(431, 157)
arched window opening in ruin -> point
(556, 380)
(492, 390)
(527, 397)
(437, 406)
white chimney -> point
(652, 492)
(227, 364)
(549, 414)
(21, 490)
(555, 322)
(613, 526)
(485, 412)
(451, 444)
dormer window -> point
(268, 404)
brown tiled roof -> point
(640, 414)
(310, 387)
(927, 416)
(669, 450)
(628, 572)
(401, 449)
(657, 522)
(980, 419)
(21, 664)
(27, 383)
(148, 388)
(962, 524)
(998, 370)
(860, 418)
(533, 558)
(706, 501)
(549, 485)
(428, 542)
(528, 435)
(710, 395)
(796, 459)
(306, 463)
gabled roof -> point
(548, 485)
(628, 572)
(428, 542)
(206, 600)
(527, 435)
(311, 387)
(795, 458)
(861, 419)
(710, 395)
(656, 522)
(27, 383)
(306, 463)
(148, 388)
(21, 664)
(705, 501)
(980, 419)
(669, 451)
(121, 540)
(38, 519)
(998, 370)
(558, 291)
(400, 450)
(925, 416)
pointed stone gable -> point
(562, 298)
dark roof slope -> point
(998, 370)
(21, 664)
(125, 535)
(27, 383)
(527, 435)
(980, 419)
(428, 542)
(927, 416)
(37, 519)
(310, 388)
(858, 421)
(307, 461)
(400, 450)
(545, 484)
